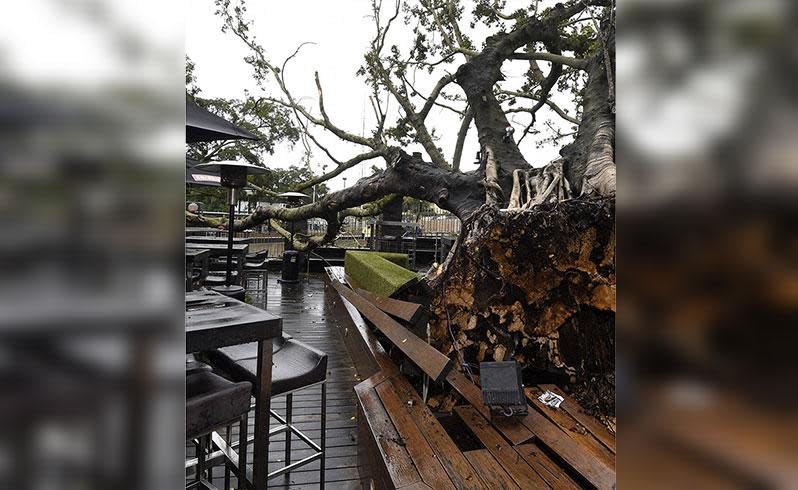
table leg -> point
(241, 259)
(260, 461)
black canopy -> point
(201, 125)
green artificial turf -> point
(379, 272)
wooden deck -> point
(404, 445)
(563, 449)
(306, 316)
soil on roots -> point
(537, 286)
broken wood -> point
(423, 355)
(516, 467)
(577, 457)
(509, 427)
(413, 313)
(570, 405)
(571, 427)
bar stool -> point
(255, 277)
(296, 366)
(213, 402)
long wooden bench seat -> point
(401, 444)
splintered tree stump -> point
(537, 286)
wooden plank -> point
(545, 467)
(523, 474)
(571, 427)
(430, 469)
(590, 423)
(513, 430)
(413, 313)
(426, 357)
(460, 471)
(416, 486)
(395, 458)
(490, 470)
(366, 352)
(575, 455)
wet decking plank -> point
(571, 427)
(490, 471)
(523, 474)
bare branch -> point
(340, 168)
(443, 82)
(557, 109)
(577, 63)
(461, 136)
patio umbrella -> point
(202, 125)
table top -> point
(217, 239)
(214, 320)
(237, 247)
(197, 253)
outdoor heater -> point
(234, 178)
(290, 256)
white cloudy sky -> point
(341, 32)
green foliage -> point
(379, 272)
(271, 123)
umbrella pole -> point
(231, 193)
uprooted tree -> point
(532, 275)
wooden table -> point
(196, 257)
(214, 321)
(220, 250)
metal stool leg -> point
(323, 432)
(242, 453)
(200, 459)
(289, 402)
(227, 464)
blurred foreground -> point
(91, 188)
(708, 249)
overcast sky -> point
(341, 32)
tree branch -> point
(340, 168)
(443, 82)
(461, 136)
(577, 63)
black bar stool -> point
(296, 366)
(213, 402)
(256, 277)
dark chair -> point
(256, 260)
(296, 366)
(217, 279)
(256, 276)
(213, 402)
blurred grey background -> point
(91, 197)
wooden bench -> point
(401, 444)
